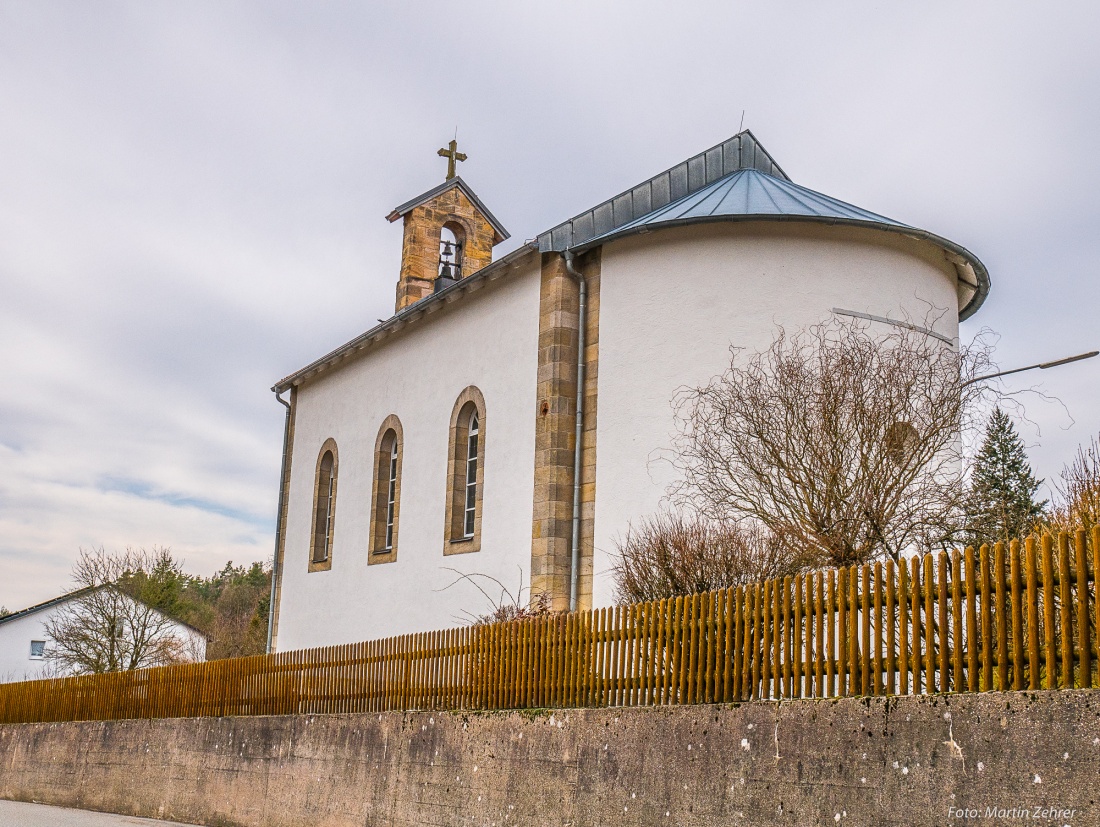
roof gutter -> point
(278, 523)
(582, 323)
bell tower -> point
(448, 235)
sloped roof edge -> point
(45, 604)
(415, 311)
(457, 181)
(64, 598)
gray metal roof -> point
(55, 601)
(746, 193)
(742, 151)
(749, 194)
(735, 180)
(457, 181)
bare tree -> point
(105, 629)
(670, 554)
(843, 444)
(1077, 504)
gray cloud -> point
(192, 201)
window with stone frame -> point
(385, 516)
(466, 473)
(324, 509)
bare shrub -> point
(1077, 504)
(844, 445)
(502, 604)
(670, 554)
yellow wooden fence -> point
(1021, 616)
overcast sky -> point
(192, 202)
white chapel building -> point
(445, 440)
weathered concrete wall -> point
(903, 762)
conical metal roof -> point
(750, 193)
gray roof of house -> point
(73, 595)
(45, 604)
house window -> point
(38, 649)
(324, 509)
(385, 513)
(466, 473)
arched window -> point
(324, 509)
(466, 473)
(450, 254)
(386, 503)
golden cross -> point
(452, 154)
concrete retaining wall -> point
(906, 761)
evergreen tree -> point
(1002, 504)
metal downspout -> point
(278, 523)
(582, 319)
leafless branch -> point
(844, 445)
(507, 606)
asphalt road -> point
(17, 814)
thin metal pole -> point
(582, 316)
(278, 523)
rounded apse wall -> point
(673, 302)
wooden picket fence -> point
(1021, 616)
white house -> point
(25, 644)
(444, 440)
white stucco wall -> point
(488, 339)
(17, 633)
(674, 301)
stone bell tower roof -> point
(498, 229)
